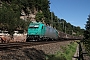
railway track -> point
(24, 44)
(19, 44)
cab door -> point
(43, 30)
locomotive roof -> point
(42, 23)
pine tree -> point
(87, 34)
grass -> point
(66, 53)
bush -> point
(67, 53)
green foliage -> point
(67, 53)
(70, 50)
(87, 31)
(39, 17)
(56, 57)
(87, 35)
(10, 17)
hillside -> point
(17, 14)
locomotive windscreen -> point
(34, 26)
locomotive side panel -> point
(51, 33)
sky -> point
(73, 11)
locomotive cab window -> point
(34, 26)
(42, 27)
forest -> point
(10, 12)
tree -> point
(87, 31)
(87, 34)
(39, 17)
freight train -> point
(41, 32)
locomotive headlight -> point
(27, 35)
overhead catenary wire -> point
(55, 8)
(58, 12)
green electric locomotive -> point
(39, 32)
